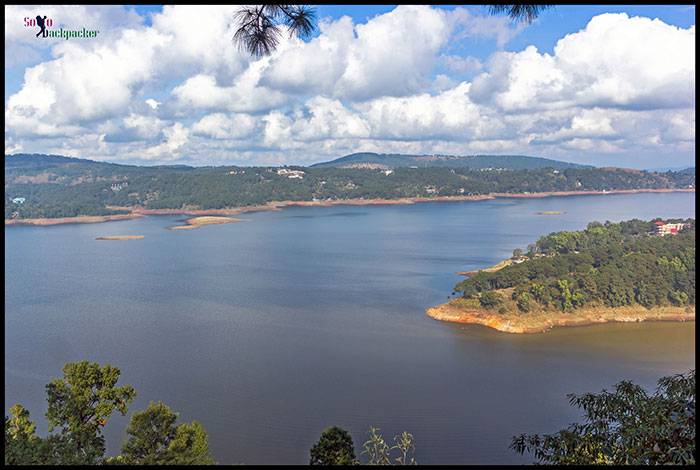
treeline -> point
(52, 187)
(80, 405)
(627, 426)
(611, 265)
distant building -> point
(662, 228)
(291, 173)
(18, 200)
(116, 187)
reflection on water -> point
(269, 331)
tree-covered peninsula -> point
(629, 271)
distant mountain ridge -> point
(475, 162)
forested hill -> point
(474, 162)
(54, 186)
(607, 265)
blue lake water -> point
(271, 329)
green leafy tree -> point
(155, 439)
(522, 300)
(490, 299)
(625, 427)
(80, 404)
(22, 445)
(566, 298)
(334, 447)
(190, 445)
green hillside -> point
(55, 186)
(475, 162)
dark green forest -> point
(610, 264)
(54, 186)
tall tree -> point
(154, 439)
(22, 445)
(334, 447)
(623, 427)
(80, 404)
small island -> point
(625, 272)
(196, 222)
(551, 213)
(120, 237)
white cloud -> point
(244, 95)
(222, 126)
(468, 25)
(389, 55)
(179, 90)
(462, 65)
(82, 85)
(616, 61)
(176, 137)
(11, 148)
(152, 103)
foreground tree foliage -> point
(335, 447)
(525, 13)
(22, 446)
(154, 439)
(80, 405)
(259, 26)
(624, 427)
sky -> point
(601, 85)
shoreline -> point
(80, 219)
(542, 322)
(196, 222)
(138, 211)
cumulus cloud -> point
(616, 61)
(176, 137)
(388, 55)
(462, 65)
(179, 89)
(222, 126)
(21, 45)
(469, 25)
(244, 95)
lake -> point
(271, 329)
